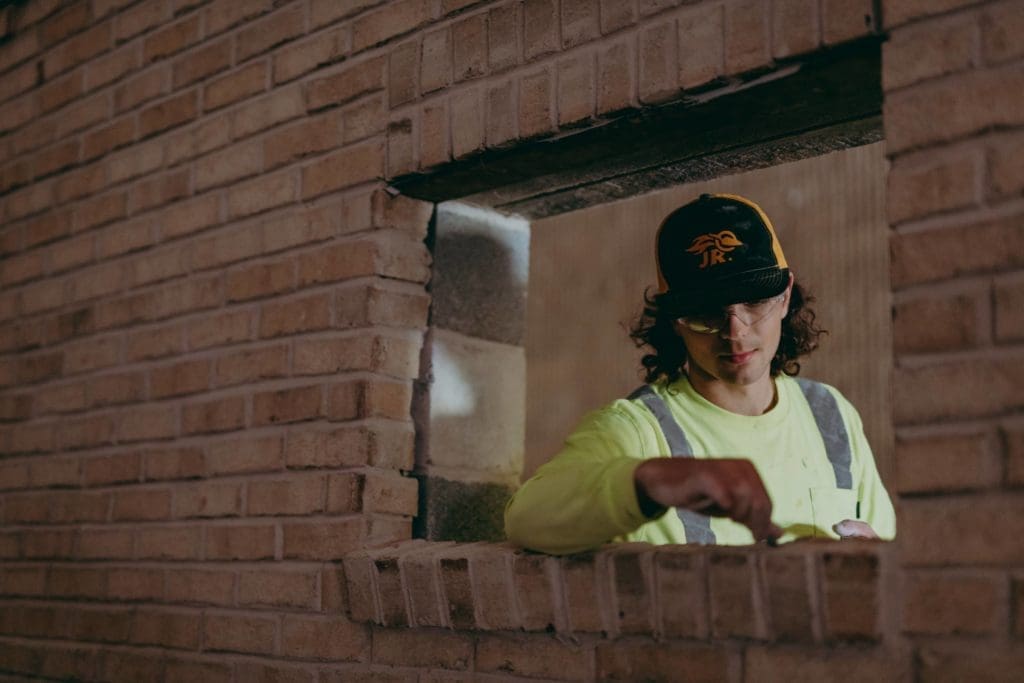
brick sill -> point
(811, 591)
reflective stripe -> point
(833, 430)
(696, 525)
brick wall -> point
(211, 317)
(954, 121)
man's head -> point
(720, 267)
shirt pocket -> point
(829, 506)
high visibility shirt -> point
(585, 496)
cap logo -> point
(712, 247)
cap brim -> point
(749, 286)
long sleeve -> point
(585, 495)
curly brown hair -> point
(654, 328)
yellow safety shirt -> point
(585, 496)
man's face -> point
(739, 353)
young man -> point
(723, 444)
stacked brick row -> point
(715, 608)
(208, 339)
(954, 121)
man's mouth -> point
(737, 357)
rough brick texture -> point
(211, 317)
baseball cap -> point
(719, 249)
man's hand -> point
(726, 487)
(851, 528)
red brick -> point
(166, 629)
(208, 499)
(794, 27)
(746, 36)
(262, 673)
(999, 24)
(350, 82)
(356, 399)
(271, 588)
(658, 70)
(283, 104)
(1009, 304)
(148, 423)
(211, 587)
(128, 666)
(19, 47)
(155, 266)
(56, 158)
(976, 101)
(345, 492)
(733, 591)
(540, 28)
(951, 604)
(944, 183)
(219, 415)
(275, 29)
(986, 386)
(322, 540)
(390, 493)
(171, 39)
(501, 116)
(202, 63)
(102, 624)
(250, 542)
(310, 136)
(1005, 169)
(804, 665)
(947, 463)
(401, 151)
(322, 49)
(634, 661)
(999, 515)
(249, 365)
(40, 544)
(224, 14)
(245, 455)
(113, 544)
(844, 20)
(168, 113)
(435, 144)
(238, 85)
(129, 584)
(350, 166)
(403, 71)
(112, 67)
(159, 190)
(363, 119)
(137, 161)
(931, 255)
(84, 114)
(213, 672)
(231, 164)
(450, 651)
(111, 469)
(70, 20)
(467, 122)
(395, 19)
(23, 267)
(579, 22)
(188, 217)
(169, 543)
(324, 638)
(233, 633)
(187, 377)
(148, 85)
(531, 656)
(934, 49)
(142, 504)
(436, 61)
(24, 581)
(469, 47)
(288, 405)
(615, 81)
(154, 343)
(575, 90)
(110, 137)
(183, 463)
(535, 115)
(292, 496)
(139, 19)
(394, 357)
(265, 193)
(932, 324)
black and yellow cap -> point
(719, 249)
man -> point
(723, 444)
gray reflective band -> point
(833, 430)
(696, 525)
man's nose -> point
(734, 327)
